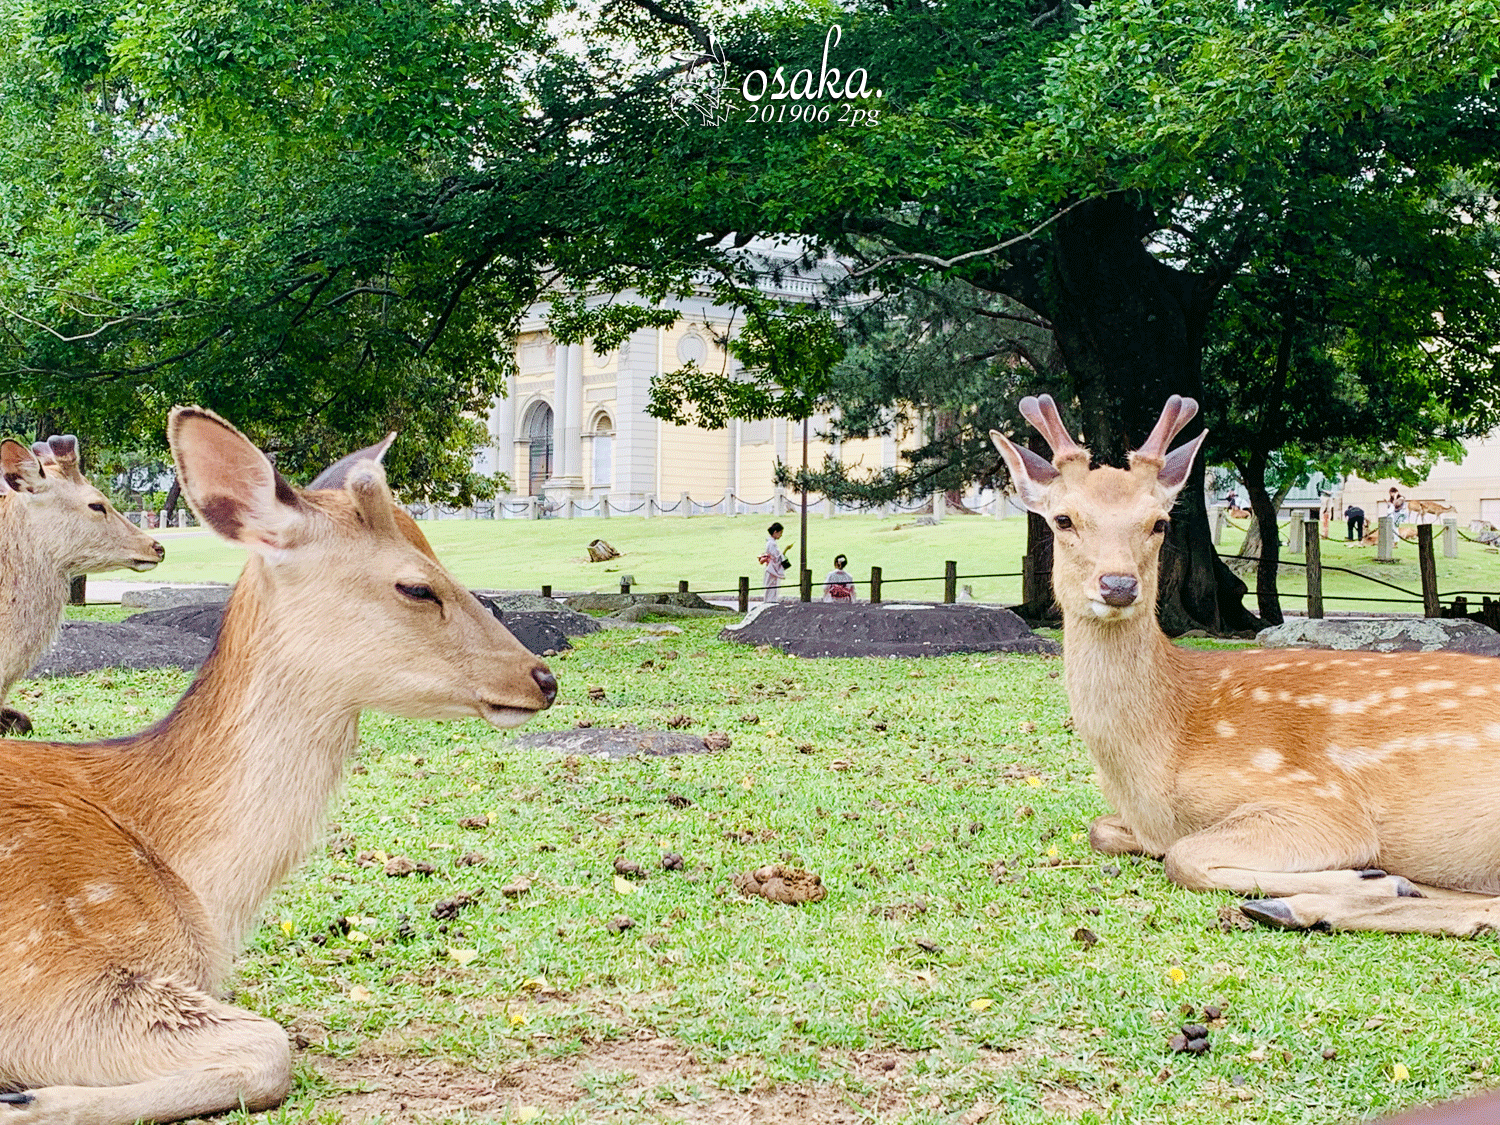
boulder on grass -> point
(1384, 634)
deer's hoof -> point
(1272, 912)
(18, 1098)
(13, 721)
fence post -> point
(568, 508)
(1427, 564)
(806, 585)
(684, 505)
(939, 506)
(874, 585)
(650, 507)
(1314, 568)
(603, 507)
(682, 585)
(950, 582)
(625, 581)
(1450, 538)
(744, 594)
(1296, 534)
(1385, 540)
(546, 591)
(729, 501)
(1221, 518)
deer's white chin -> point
(1106, 612)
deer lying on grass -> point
(1363, 786)
(53, 524)
(134, 867)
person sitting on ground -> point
(839, 585)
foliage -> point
(786, 355)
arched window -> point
(604, 442)
(539, 434)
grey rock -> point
(1384, 634)
(163, 597)
(651, 609)
(88, 646)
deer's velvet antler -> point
(1176, 414)
(1042, 413)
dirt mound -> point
(88, 646)
(624, 742)
(201, 620)
(614, 603)
(887, 629)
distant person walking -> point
(1400, 513)
(839, 585)
(774, 560)
(1355, 515)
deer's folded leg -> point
(1453, 917)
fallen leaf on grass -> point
(981, 1004)
(480, 821)
(462, 956)
(624, 886)
(1399, 1073)
(527, 1113)
(360, 994)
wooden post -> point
(78, 589)
(806, 585)
(1450, 537)
(682, 586)
(874, 585)
(546, 591)
(625, 584)
(744, 594)
(1431, 607)
(1314, 547)
(950, 582)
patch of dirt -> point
(651, 1078)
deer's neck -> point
(1128, 688)
(33, 591)
(232, 787)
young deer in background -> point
(53, 524)
(1364, 786)
(132, 869)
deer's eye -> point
(1063, 522)
(97, 508)
(419, 593)
(1160, 528)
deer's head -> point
(348, 587)
(1107, 524)
(77, 526)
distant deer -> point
(1364, 786)
(54, 524)
(133, 868)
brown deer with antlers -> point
(1360, 789)
(132, 869)
(53, 524)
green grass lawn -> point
(944, 979)
(711, 552)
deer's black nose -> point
(547, 682)
(1119, 589)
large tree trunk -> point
(1131, 332)
(1268, 566)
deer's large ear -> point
(231, 485)
(22, 471)
(337, 474)
(1176, 466)
(1031, 473)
